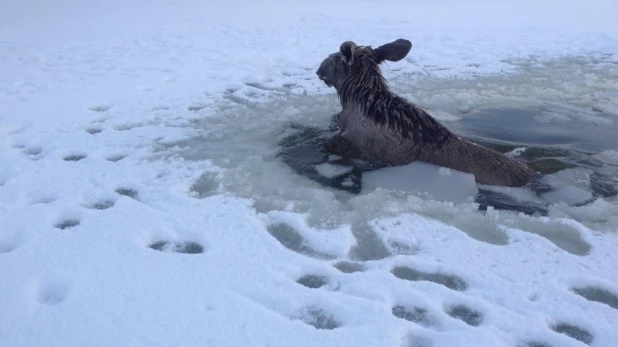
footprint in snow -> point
(99, 108)
(450, 281)
(349, 267)
(74, 157)
(574, 332)
(602, 295)
(313, 281)
(318, 318)
(535, 344)
(33, 153)
(102, 205)
(49, 291)
(291, 239)
(467, 315)
(93, 130)
(115, 158)
(66, 224)
(128, 192)
(188, 247)
(8, 245)
(417, 341)
(416, 315)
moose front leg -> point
(334, 122)
(343, 147)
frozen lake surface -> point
(147, 198)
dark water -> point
(548, 147)
(520, 126)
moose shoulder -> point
(386, 128)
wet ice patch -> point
(426, 180)
(206, 185)
(291, 239)
(568, 194)
(292, 231)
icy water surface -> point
(558, 117)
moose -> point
(382, 127)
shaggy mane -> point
(366, 87)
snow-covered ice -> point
(142, 202)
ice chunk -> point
(331, 170)
(568, 194)
(425, 179)
(609, 156)
(444, 116)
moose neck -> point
(363, 86)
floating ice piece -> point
(609, 156)
(444, 116)
(568, 194)
(432, 181)
(332, 170)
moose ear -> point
(393, 51)
(347, 49)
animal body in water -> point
(378, 125)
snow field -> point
(142, 203)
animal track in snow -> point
(318, 319)
(128, 192)
(292, 240)
(449, 281)
(67, 224)
(51, 291)
(313, 281)
(74, 157)
(416, 315)
(125, 127)
(115, 158)
(369, 245)
(102, 205)
(196, 107)
(574, 332)
(349, 267)
(188, 247)
(597, 294)
(7, 246)
(417, 341)
(93, 130)
(466, 314)
(33, 151)
(99, 108)
(535, 344)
